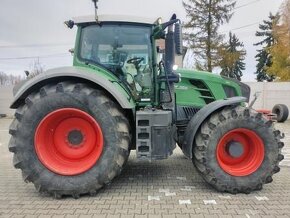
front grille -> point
(205, 93)
(246, 91)
(230, 91)
(185, 113)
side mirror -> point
(178, 39)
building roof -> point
(118, 18)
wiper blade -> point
(89, 61)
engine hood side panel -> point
(198, 88)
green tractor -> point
(74, 127)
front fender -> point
(196, 121)
(105, 82)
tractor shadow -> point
(177, 172)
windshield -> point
(123, 49)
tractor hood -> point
(185, 73)
(214, 83)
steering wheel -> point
(136, 61)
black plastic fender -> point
(22, 90)
(200, 116)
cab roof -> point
(114, 18)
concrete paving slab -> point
(130, 198)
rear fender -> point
(108, 83)
(196, 121)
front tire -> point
(69, 139)
(237, 150)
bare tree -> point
(36, 68)
(9, 79)
(3, 78)
(14, 79)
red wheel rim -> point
(68, 141)
(246, 155)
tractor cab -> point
(124, 46)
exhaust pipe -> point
(168, 95)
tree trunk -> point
(208, 44)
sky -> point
(34, 30)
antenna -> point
(96, 9)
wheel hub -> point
(75, 138)
(234, 149)
(240, 152)
(68, 141)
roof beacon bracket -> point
(96, 8)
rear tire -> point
(282, 112)
(255, 161)
(50, 175)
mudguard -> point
(200, 116)
(107, 83)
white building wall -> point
(271, 94)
